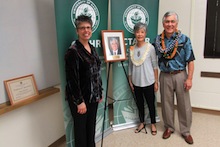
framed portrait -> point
(113, 45)
(21, 88)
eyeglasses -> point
(84, 28)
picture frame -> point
(21, 88)
(113, 45)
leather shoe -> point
(188, 139)
(167, 133)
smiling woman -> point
(84, 84)
(84, 31)
(143, 76)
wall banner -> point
(124, 15)
(66, 12)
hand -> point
(132, 87)
(188, 84)
(156, 86)
(101, 100)
(81, 108)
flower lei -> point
(142, 59)
(170, 51)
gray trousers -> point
(171, 84)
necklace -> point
(139, 50)
(170, 51)
(138, 62)
(138, 53)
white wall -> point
(28, 42)
(35, 125)
(205, 92)
(28, 24)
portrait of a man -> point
(114, 46)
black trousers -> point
(149, 95)
(84, 125)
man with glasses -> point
(175, 53)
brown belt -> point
(172, 72)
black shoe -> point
(138, 130)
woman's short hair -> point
(169, 13)
(139, 26)
(82, 18)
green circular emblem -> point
(134, 14)
(86, 7)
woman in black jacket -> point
(84, 85)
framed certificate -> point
(21, 88)
(114, 45)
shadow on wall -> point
(48, 41)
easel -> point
(106, 95)
(106, 98)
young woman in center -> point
(143, 76)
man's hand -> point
(188, 84)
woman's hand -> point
(132, 87)
(101, 99)
(81, 108)
(156, 86)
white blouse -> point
(143, 75)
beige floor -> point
(205, 131)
